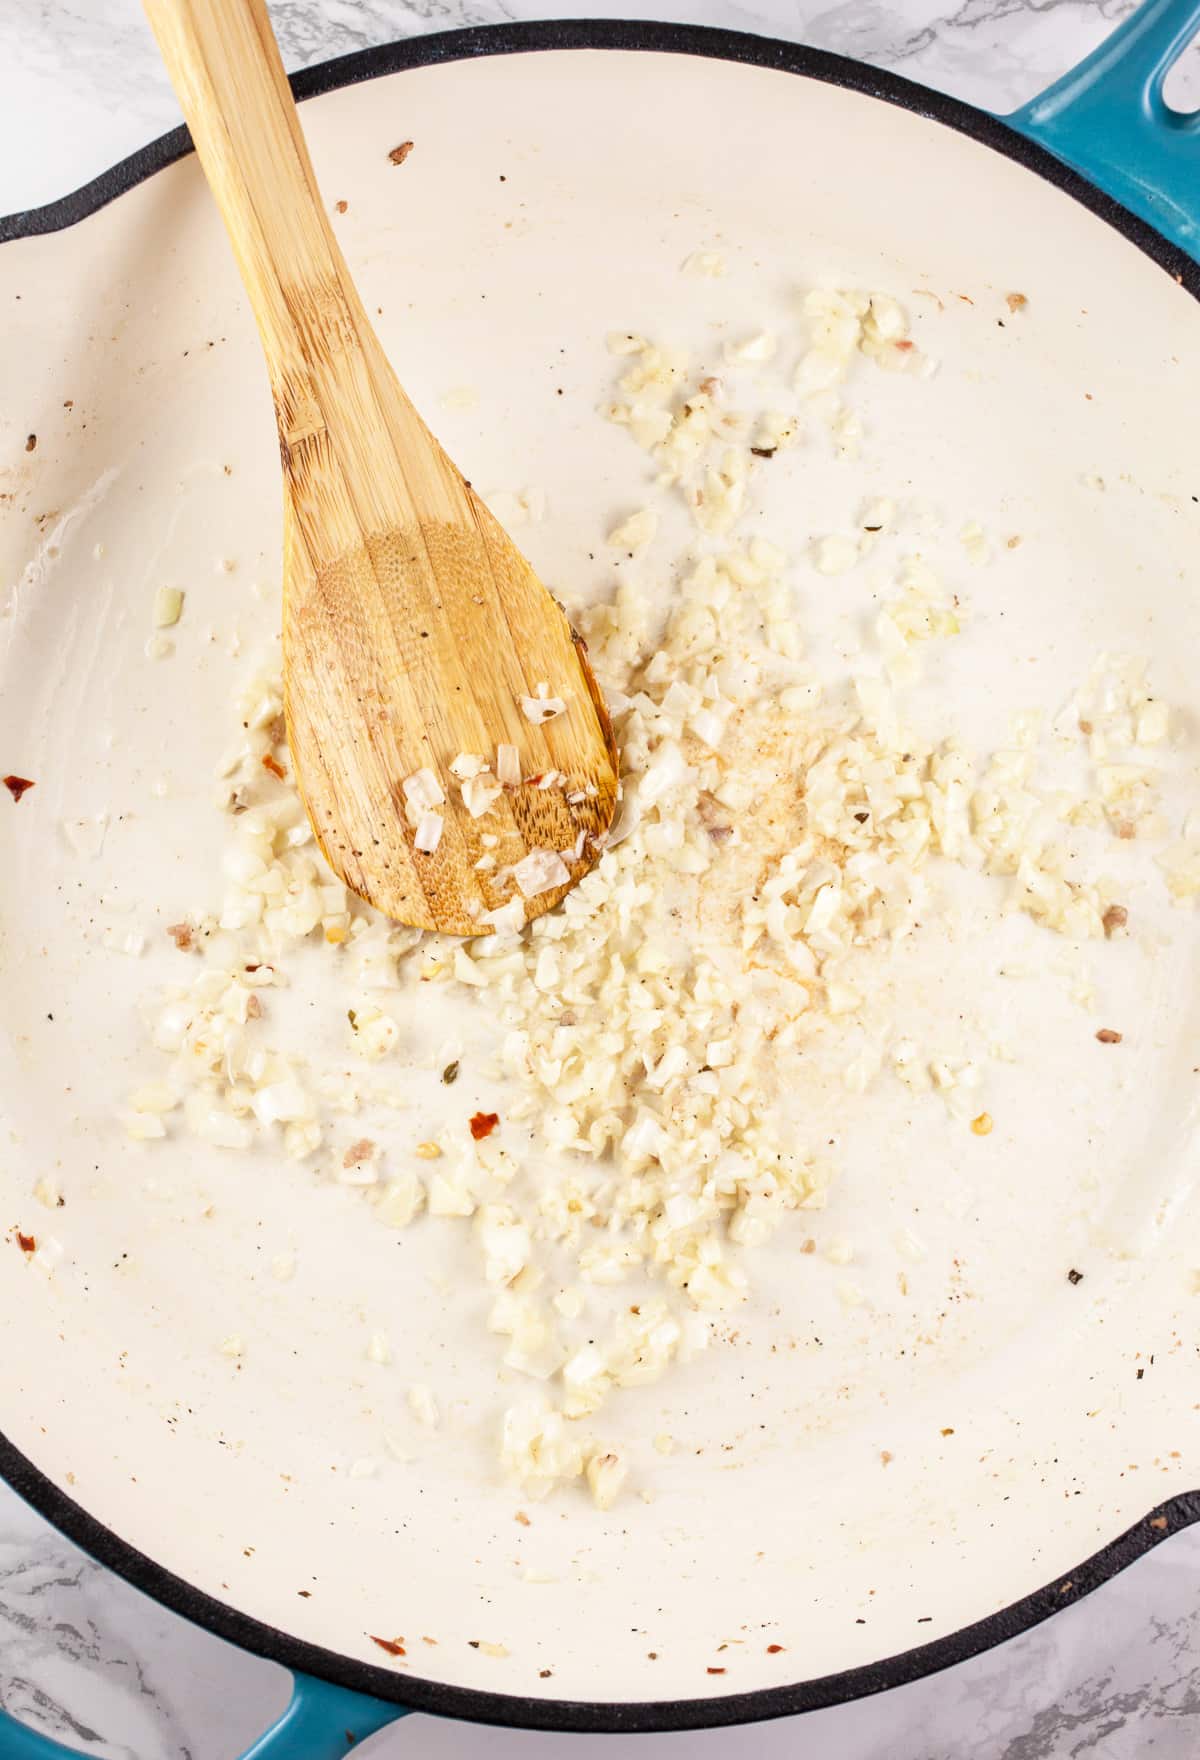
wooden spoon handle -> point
(339, 408)
(225, 67)
(413, 629)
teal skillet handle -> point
(320, 1723)
(1107, 119)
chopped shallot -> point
(423, 791)
(479, 793)
(542, 708)
(428, 833)
(541, 871)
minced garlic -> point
(774, 840)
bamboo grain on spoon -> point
(414, 631)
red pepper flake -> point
(26, 1242)
(1159, 1523)
(1016, 302)
(522, 1518)
(1114, 918)
(17, 785)
(714, 1671)
(271, 763)
(774, 1649)
(341, 206)
(183, 935)
(31, 442)
(483, 1124)
(1107, 1036)
(399, 154)
(535, 781)
(545, 1673)
(902, 346)
(948, 1432)
(254, 1007)
(393, 1646)
(357, 1153)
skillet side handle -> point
(322, 1722)
(1107, 119)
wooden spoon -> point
(413, 628)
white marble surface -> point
(1117, 1676)
(81, 85)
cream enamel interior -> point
(549, 199)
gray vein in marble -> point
(97, 1664)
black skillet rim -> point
(513, 1710)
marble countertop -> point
(85, 1656)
